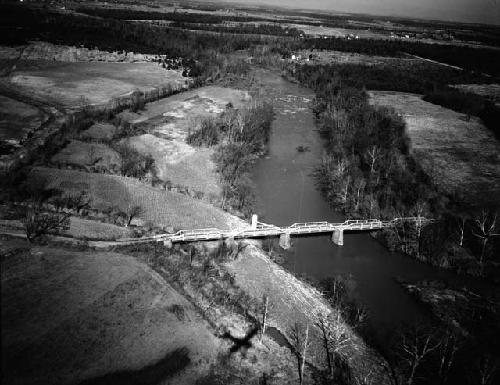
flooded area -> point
(286, 193)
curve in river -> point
(286, 193)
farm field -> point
(71, 85)
(159, 208)
(180, 163)
(70, 316)
(459, 155)
(17, 119)
(491, 91)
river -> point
(286, 193)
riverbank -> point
(292, 302)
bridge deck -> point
(265, 230)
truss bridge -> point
(262, 230)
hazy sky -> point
(474, 11)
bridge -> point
(261, 230)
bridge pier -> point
(254, 221)
(167, 243)
(230, 242)
(338, 237)
(285, 241)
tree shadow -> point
(168, 366)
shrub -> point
(133, 163)
(207, 135)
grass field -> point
(491, 91)
(83, 228)
(159, 208)
(17, 119)
(85, 155)
(180, 163)
(77, 84)
(168, 122)
(459, 154)
(69, 316)
(99, 131)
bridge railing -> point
(313, 224)
(264, 229)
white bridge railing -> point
(259, 230)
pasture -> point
(159, 208)
(70, 316)
(458, 152)
(73, 85)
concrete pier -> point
(338, 237)
(167, 243)
(285, 241)
(254, 221)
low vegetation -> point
(469, 104)
(241, 136)
(133, 163)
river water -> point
(286, 193)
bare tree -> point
(132, 212)
(420, 210)
(415, 347)
(461, 220)
(39, 219)
(446, 354)
(335, 337)
(373, 153)
(265, 309)
(323, 325)
(485, 228)
(359, 185)
(346, 184)
(299, 339)
(486, 369)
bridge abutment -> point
(338, 237)
(285, 241)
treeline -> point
(399, 76)
(207, 55)
(262, 29)
(427, 79)
(241, 136)
(472, 59)
(23, 24)
(368, 173)
(181, 17)
(470, 104)
(367, 170)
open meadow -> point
(70, 316)
(456, 151)
(75, 85)
(159, 208)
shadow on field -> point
(172, 363)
